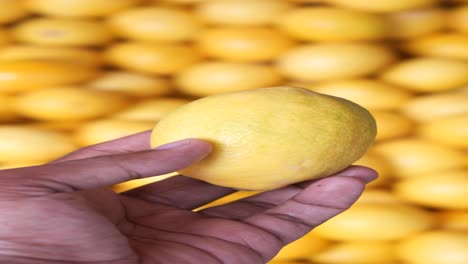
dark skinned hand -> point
(65, 212)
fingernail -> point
(363, 173)
(174, 144)
(371, 177)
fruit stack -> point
(78, 72)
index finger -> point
(132, 143)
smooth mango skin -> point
(270, 137)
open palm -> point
(63, 212)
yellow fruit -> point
(242, 12)
(302, 248)
(78, 8)
(273, 261)
(415, 23)
(432, 106)
(308, 1)
(22, 144)
(356, 252)
(382, 5)
(4, 38)
(68, 104)
(270, 137)
(410, 157)
(392, 125)
(18, 164)
(131, 84)
(102, 130)
(213, 77)
(7, 111)
(11, 10)
(443, 189)
(446, 45)
(378, 196)
(373, 160)
(372, 94)
(452, 130)
(250, 44)
(458, 18)
(454, 220)
(375, 222)
(152, 58)
(228, 199)
(155, 23)
(129, 185)
(62, 32)
(151, 109)
(435, 247)
(83, 56)
(317, 62)
(24, 75)
(60, 126)
(186, 2)
(332, 24)
(426, 74)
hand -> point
(64, 212)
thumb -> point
(107, 170)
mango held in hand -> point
(270, 137)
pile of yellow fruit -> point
(78, 72)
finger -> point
(366, 174)
(254, 204)
(132, 143)
(268, 230)
(103, 171)
(179, 191)
(309, 208)
(187, 193)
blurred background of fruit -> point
(78, 72)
